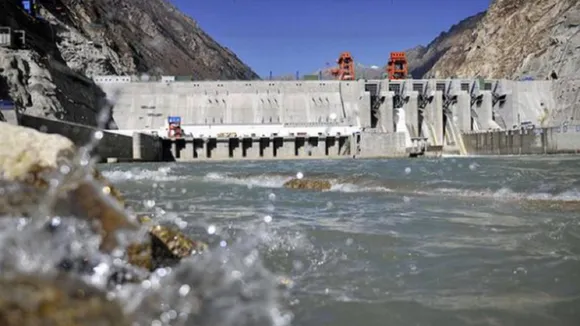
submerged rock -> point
(62, 301)
(311, 184)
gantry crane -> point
(398, 67)
(345, 70)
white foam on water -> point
(263, 181)
(504, 194)
(138, 174)
(352, 188)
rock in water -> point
(167, 247)
(63, 301)
(26, 152)
(27, 158)
(311, 184)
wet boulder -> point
(61, 301)
(30, 159)
(310, 184)
(166, 247)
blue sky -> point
(286, 36)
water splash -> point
(227, 285)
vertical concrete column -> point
(285, 148)
(412, 113)
(438, 116)
(187, 150)
(485, 112)
(386, 122)
(267, 147)
(137, 155)
(222, 149)
(331, 144)
(201, 148)
(300, 145)
(463, 112)
(252, 147)
(317, 147)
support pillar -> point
(137, 155)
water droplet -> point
(146, 284)
(223, 244)
(149, 203)
(299, 175)
(349, 241)
(211, 229)
(407, 170)
(184, 290)
(332, 116)
(65, 169)
(272, 196)
(329, 205)
(473, 166)
(267, 218)
(43, 128)
(162, 272)
(236, 274)
(406, 199)
(98, 135)
(183, 191)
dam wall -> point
(146, 105)
(434, 111)
(553, 140)
(111, 146)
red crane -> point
(345, 70)
(398, 67)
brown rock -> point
(311, 184)
(27, 158)
(167, 247)
(36, 301)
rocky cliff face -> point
(452, 43)
(513, 39)
(38, 79)
(142, 36)
(77, 39)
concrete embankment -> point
(115, 147)
(554, 140)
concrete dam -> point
(332, 118)
(324, 119)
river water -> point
(451, 241)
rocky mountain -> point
(517, 38)
(142, 36)
(513, 39)
(422, 59)
(71, 40)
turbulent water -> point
(451, 241)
